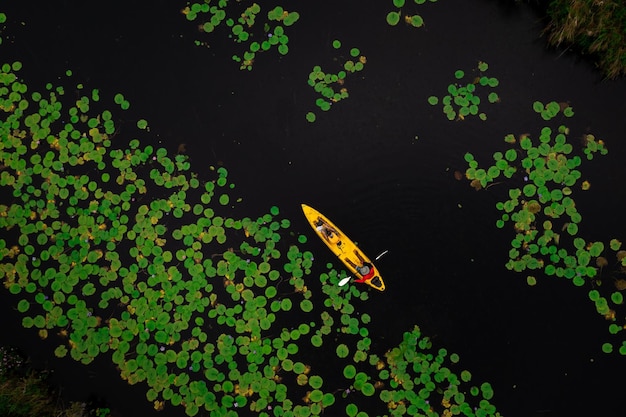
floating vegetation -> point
(552, 109)
(412, 378)
(125, 252)
(331, 87)
(96, 261)
(394, 16)
(255, 30)
(425, 381)
(3, 19)
(541, 210)
(463, 99)
(142, 124)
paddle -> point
(348, 278)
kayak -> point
(345, 249)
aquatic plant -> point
(3, 19)
(86, 245)
(115, 248)
(463, 100)
(177, 318)
(244, 24)
(424, 381)
(552, 109)
(394, 16)
(542, 176)
(331, 86)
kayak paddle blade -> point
(382, 254)
(344, 281)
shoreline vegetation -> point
(26, 392)
(593, 28)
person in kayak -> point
(328, 232)
(365, 269)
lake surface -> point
(381, 164)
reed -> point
(597, 27)
(26, 392)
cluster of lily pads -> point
(541, 209)
(330, 86)
(124, 251)
(244, 27)
(550, 110)
(463, 99)
(394, 17)
(3, 19)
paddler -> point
(329, 233)
(365, 269)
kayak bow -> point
(345, 249)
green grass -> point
(26, 392)
(25, 396)
(596, 27)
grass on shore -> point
(25, 392)
(597, 27)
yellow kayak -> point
(345, 249)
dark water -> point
(380, 164)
